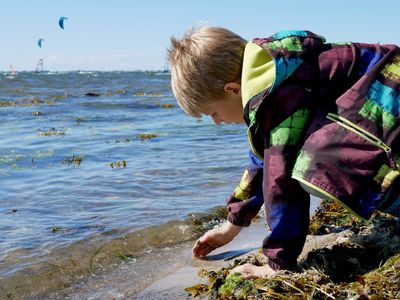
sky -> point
(134, 34)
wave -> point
(25, 275)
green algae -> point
(365, 266)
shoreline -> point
(173, 270)
(167, 270)
(335, 261)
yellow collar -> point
(258, 71)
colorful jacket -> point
(330, 122)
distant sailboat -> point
(165, 71)
(39, 66)
(166, 68)
(12, 70)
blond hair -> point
(201, 63)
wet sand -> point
(161, 275)
(174, 269)
(165, 273)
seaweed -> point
(366, 265)
(146, 136)
(74, 160)
(118, 164)
(50, 132)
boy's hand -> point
(249, 271)
(215, 238)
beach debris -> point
(61, 22)
(146, 136)
(74, 160)
(50, 132)
(362, 265)
(118, 164)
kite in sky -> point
(40, 41)
(61, 22)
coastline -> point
(173, 270)
(165, 272)
(338, 261)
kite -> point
(61, 22)
(40, 41)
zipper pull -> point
(392, 161)
(385, 147)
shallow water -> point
(89, 159)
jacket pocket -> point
(392, 175)
(364, 134)
(343, 162)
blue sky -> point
(134, 35)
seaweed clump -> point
(74, 160)
(146, 136)
(50, 132)
(362, 263)
(332, 217)
(118, 164)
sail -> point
(39, 66)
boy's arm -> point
(286, 203)
(287, 211)
(247, 199)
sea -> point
(99, 168)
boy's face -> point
(227, 110)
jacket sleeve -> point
(247, 199)
(287, 211)
(286, 203)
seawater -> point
(97, 167)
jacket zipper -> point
(361, 132)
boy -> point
(323, 119)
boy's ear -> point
(232, 87)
